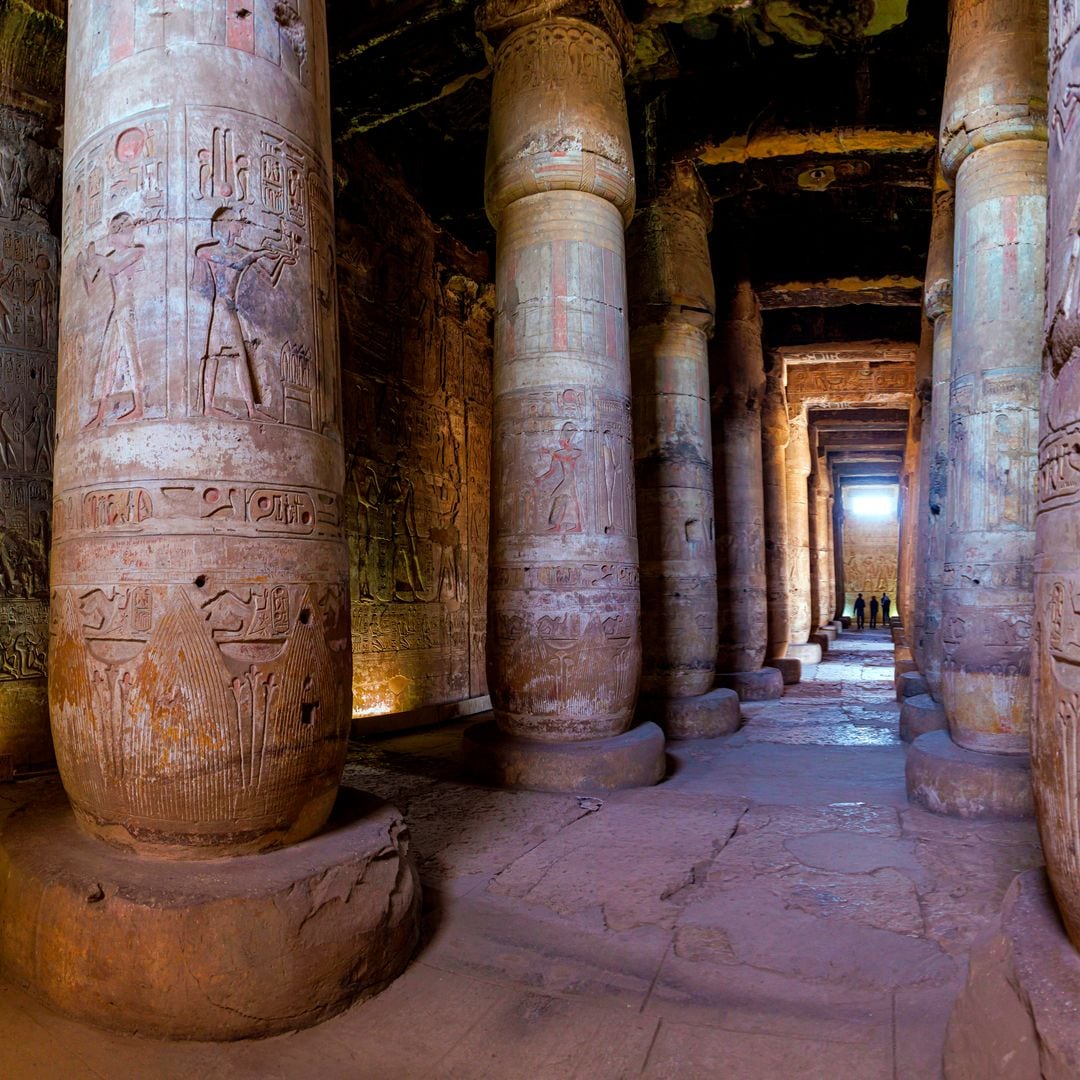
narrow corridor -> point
(774, 908)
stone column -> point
(774, 440)
(798, 467)
(917, 524)
(738, 389)
(994, 151)
(924, 712)
(564, 644)
(671, 310)
(30, 99)
(1057, 560)
(838, 549)
(820, 489)
(200, 654)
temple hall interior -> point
(540, 539)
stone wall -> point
(416, 366)
(870, 552)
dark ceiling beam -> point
(891, 290)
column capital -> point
(498, 19)
(995, 90)
(668, 253)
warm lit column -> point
(738, 388)
(938, 306)
(774, 440)
(671, 310)
(1056, 734)
(564, 647)
(798, 521)
(820, 493)
(29, 110)
(994, 150)
(199, 683)
(837, 529)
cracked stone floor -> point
(773, 909)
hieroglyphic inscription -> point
(114, 239)
(264, 268)
(870, 555)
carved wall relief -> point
(870, 555)
(28, 333)
(417, 348)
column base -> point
(765, 684)
(1019, 1014)
(845, 621)
(829, 631)
(837, 625)
(633, 759)
(821, 640)
(707, 716)
(910, 684)
(808, 652)
(902, 652)
(920, 714)
(219, 949)
(898, 635)
(947, 779)
(789, 667)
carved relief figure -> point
(564, 495)
(220, 265)
(120, 340)
(398, 495)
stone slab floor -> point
(774, 909)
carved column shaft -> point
(1056, 722)
(672, 302)
(837, 533)
(31, 86)
(821, 584)
(774, 440)
(200, 645)
(938, 307)
(564, 652)
(994, 150)
(798, 467)
(918, 536)
(738, 381)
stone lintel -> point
(739, 149)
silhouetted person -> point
(886, 603)
(873, 612)
(860, 611)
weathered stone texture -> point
(1056, 721)
(821, 557)
(564, 653)
(671, 311)
(938, 307)
(230, 949)
(774, 440)
(737, 381)
(31, 73)
(199, 634)
(798, 523)
(416, 358)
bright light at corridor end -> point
(873, 504)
